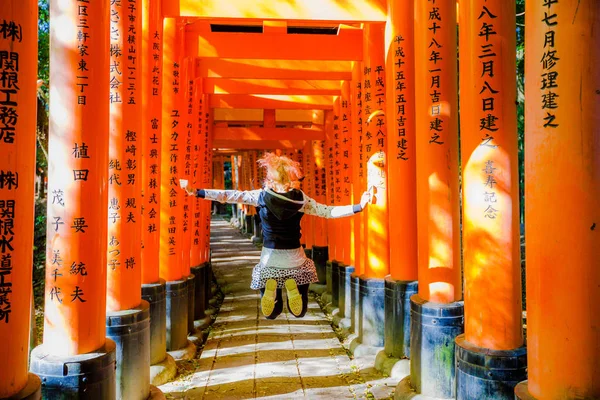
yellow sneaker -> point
(267, 303)
(294, 297)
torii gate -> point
(135, 87)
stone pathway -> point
(247, 356)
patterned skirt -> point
(304, 274)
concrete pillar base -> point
(187, 352)
(208, 279)
(317, 288)
(341, 322)
(335, 283)
(320, 255)
(31, 391)
(202, 324)
(326, 297)
(484, 373)
(249, 224)
(68, 377)
(434, 327)
(177, 314)
(156, 394)
(359, 349)
(371, 301)
(191, 283)
(199, 290)
(164, 371)
(308, 252)
(344, 298)
(155, 295)
(130, 330)
(355, 309)
(404, 391)
(392, 366)
(397, 316)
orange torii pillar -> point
(347, 265)
(331, 118)
(336, 253)
(128, 316)
(153, 288)
(320, 253)
(358, 185)
(198, 264)
(18, 63)
(185, 172)
(436, 311)
(377, 257)
(490, 355)
(401, 284)
(258, 234)
(562, 217)
(76, 357)
(172, 148)
(308, 188)
(208, 127)
(253, 221)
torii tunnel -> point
(413, 100)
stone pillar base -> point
(484, 373)
(335, 283)
(187, 352)
(177, 314)
(397, 316)
(320, 256)
(199, 291)
(69, 377)
(342, 319)
(355, 310)
(391, 366)
(434, 327)
(155, 295)
(163, 371)
(191, 284)
(371, 300)
(130, 330)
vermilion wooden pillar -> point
(198, 154)
(492, 267)
(400, 111)
(332, 128)
(345, 171)
(76, 259)
(125, 307)
(18, 67)
(151, 135)
(402, 156)
(171, 203)
(320, 250)
(186, 166)
(308, 188)
(358, 186)
(438, 201)
(562, 188)
(153, 288)
(371, 332)
(124, 164)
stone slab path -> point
(247, 356)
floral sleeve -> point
(249, 197)
(311, 207)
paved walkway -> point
(247, 356)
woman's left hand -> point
(365, 199)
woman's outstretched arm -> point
(312, 207)
(249, 197)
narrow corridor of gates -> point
(247, 356)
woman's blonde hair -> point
(282, 173)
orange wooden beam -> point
(257, 144)
(299, 102)
(270, 86)
(307, 10)
(345, 46)
(275, 69)
(258, 134)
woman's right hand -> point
(366, 199)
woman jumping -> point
(281, 206)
